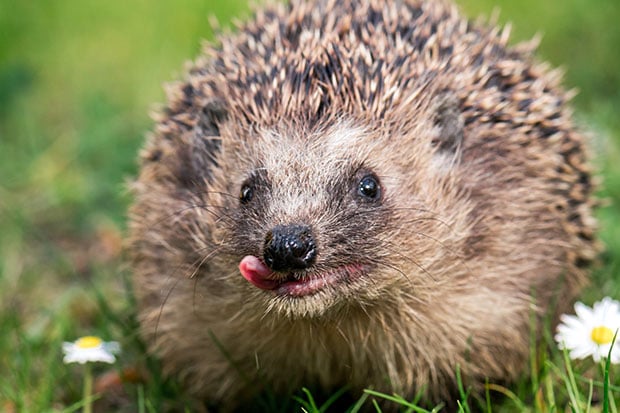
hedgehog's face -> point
(309, 219)
(316, 223)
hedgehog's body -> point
(411, 189)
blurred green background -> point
(77, 81)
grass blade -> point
(606, 391)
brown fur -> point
(485, 216)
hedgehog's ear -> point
(211, 117)
(448, 122)
(206, 141)
(207, 135)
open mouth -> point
(296, 284)
(310, 284)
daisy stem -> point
(88, 389)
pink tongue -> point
(257, 273)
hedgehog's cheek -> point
(257, 273)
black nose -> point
(289, 247)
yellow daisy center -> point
(92, 342)
(602, 335)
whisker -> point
(193, 275)
(172, 276)
(180, 211)
(200, 262)
(457, 254)
(435, 216)
(377, 261)
(165, 300)
(216, 193)
(411, 260)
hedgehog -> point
(360, 194)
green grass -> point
(77, 80)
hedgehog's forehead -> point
(292, 153)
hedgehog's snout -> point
(289, 247)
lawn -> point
(77, 82)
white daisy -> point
(591, 331)
(90, 348)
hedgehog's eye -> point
(369, 188)
(246, 194)
(256, 183)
